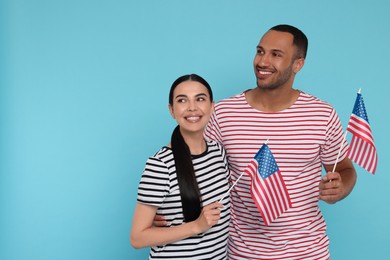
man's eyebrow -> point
(272, 50)
(277, 50)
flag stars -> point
(359, 108)
(266, 162)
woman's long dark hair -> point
(189, 189)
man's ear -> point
(298, 64)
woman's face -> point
(191, 106)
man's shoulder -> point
(234, 97)
(237, 98)
(311, 99)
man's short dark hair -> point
(300, 39)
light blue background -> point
(83, 101)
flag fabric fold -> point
(362, 148)
(268, 189)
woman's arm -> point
(144, 234)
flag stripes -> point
(363, 153)
(362, 148)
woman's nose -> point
(191, 106)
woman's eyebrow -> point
(185, 96)
(181, 96)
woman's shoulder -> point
(163, 151)
(163, 155)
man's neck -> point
(271, 100)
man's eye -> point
(181, 100)
(201, 99)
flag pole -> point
(231, 187)
(342, 143)
(341, 147)
(234, 184)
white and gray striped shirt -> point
(159, 187)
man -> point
(304, 135)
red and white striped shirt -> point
(302, 138)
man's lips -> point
(263, 74)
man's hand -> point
(159, 221)
(331, 188)
(335, 186)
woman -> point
(183, 182)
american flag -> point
(268, 189)
(362, 148)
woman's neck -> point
(196, 143)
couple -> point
(184, 181)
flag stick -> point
(231, 187)
(341, 147)
(239, 177)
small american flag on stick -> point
(268, 189)
(362, 148)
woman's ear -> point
(171, 111)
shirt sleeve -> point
(213, 131)
(334, 140)
(225, 160)
(154, 184)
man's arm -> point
(337, 185)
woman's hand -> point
(209, 216)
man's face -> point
(275, 60)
